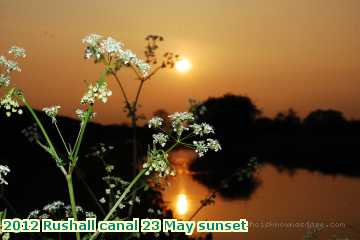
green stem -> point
(119, 201)
(188, 145)
(172, 147)
(187, 136)
(138, 93)
(72, 200)
(74, 154)
(128, 105)
(62, 138)
(43, 131)
(202, 205)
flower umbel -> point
(111, 52)
(202, 129)
(160, 138)
(110, 45)
(99, 91)
(10, 103)
(155, 122)
(200, 147)
(9, 65)
(92, 39)
(213, 144)
(180, 121)
(17, 51)
(52, 112)
(4, 80)
(81, 114)
(157, 161)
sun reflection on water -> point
(182, 204)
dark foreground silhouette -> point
(324, 141)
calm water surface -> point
(282, 198)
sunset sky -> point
(281, 53)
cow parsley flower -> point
(127, 56)
(197, 129)
(155, 122)
(200, 147)
(17, 51)
(81, 114)
(3, 60)
(98, 47)
(157, 161)
(202, 129)
(4, 170)
(92, 49)
(10, 103)
(4, 80)
(34, 214)
(99, 91)
(52, 112)
(92, 39)
(182, 117)
(110, 45)
(180, 121)
(160, 138)
(12, 66)
(9, 65)
(213, 144)
(143, 67)
(102, 200)
(54, 206)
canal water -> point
(285, 206)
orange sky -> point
(281, 53)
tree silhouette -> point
(233, 116)
(325, 121)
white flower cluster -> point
(58, 211)
(110, 45)
(4, 80)
(4, 170)
(10, 104)
(99, 91)
(17, 51)
(81, 114)
(10, 65)
(52, 207)
(52, 112)
(202, 129)
(155, 122)
(117, 196)
(97, 47)
(157, 161)
(202, 147)
(180, 121)
(34, 213)
(160, 138)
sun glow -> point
(182, 204)
(183, 65)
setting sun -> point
(183, 65)
(182, 204)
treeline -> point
(323, 141)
